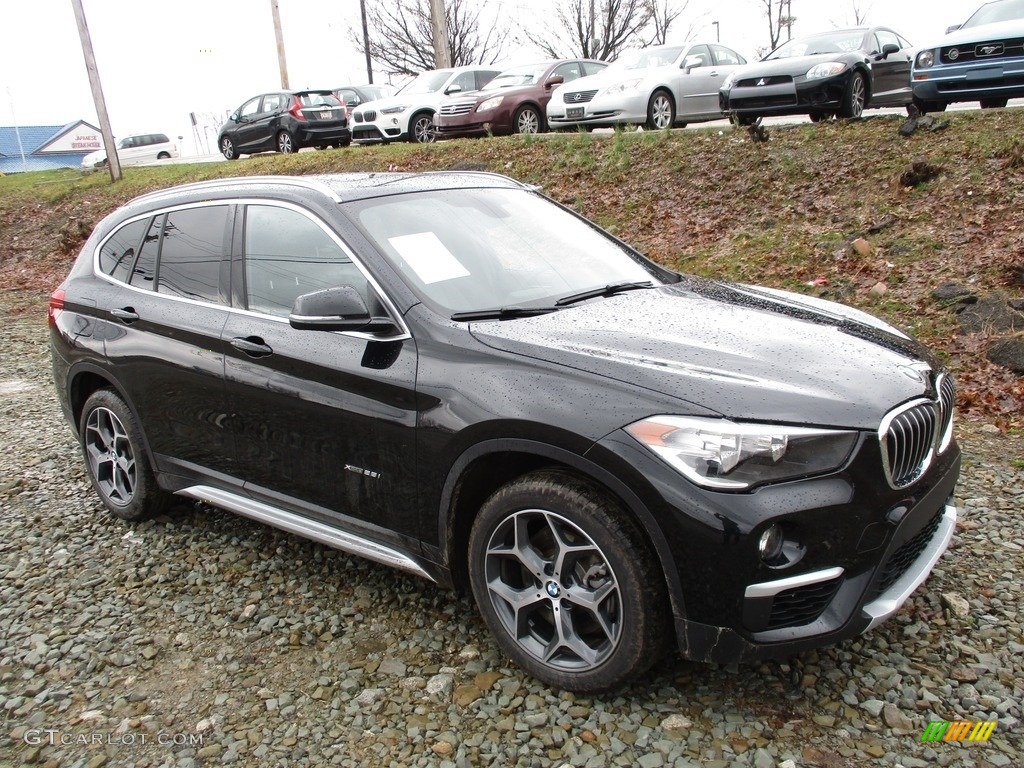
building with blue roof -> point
(45, 147)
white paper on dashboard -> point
(428, 257)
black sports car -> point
(840, 72)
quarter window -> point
(118, 254)
(288, 254)
(190, 252)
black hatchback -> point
(285, 121)
(451, 374)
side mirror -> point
(692, 62)
(353, 103)
(554, 80)
(454, 89)
(889, 49)
(234, 118)
(335, 309)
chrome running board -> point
(305, 527)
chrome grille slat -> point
(909, 437)
(579, 97)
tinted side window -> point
(568, 71)
(593, 68)
(887, 38)
(118, 254)
(288, 254)
(702, 52)
(250, 107)
(466, 81)
(272, 102)
(483, 78)
(145, 265)
(191, 251)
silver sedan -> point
(658, 87)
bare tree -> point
(859, 14)
(780, 18)
(664, 13)
(400, 39)
(593, 29)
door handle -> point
(253, 346)
(713, 73)
(126, 315)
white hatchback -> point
(135, 150)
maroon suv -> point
(513, 102)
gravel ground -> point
(202, 638)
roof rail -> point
(295, 181)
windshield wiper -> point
(502, 313)
(608, 290)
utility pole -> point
(366, 43)
(113, 162)
(281, 63)
(442, 51)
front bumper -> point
(970, 81)
(491, 121)
(601, 110)
(384, 127)
(865, 548)
(800, 96)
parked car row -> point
(838, 73)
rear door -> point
(163, 338)
(324, 422)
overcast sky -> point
(160, 61)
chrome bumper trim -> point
(889, 602)
(772, 588)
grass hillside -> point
(819, 209)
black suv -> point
(285, 121)
(451, 374)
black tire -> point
(661, 111)
(625, 630)
(285, 143)
(993, 103)
(345, 143)
(855, 97)
(929, 106)
(820, 117)
(745, 120)
(421, 128)
(227, 148)
(163, 156)
(116, 458)
(528, 120)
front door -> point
(324, 422)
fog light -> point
(770, 546)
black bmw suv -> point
(285, 121)
(451, 374)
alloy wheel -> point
(553, 590)
(110, 455)
(528, 122)
(284, 143)
(661, 112)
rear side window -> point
(144, 272)
(288, 254)
(118, 254)
(191, 251)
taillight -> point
(56, 306)
(296, 110)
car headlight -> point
(826, 69)
(730, 78)
(622, 87)
(925, 59)
(726, 455)
(491, 103)
(393, 110)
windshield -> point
(1005, 10)
(646, 58)
(842, 41)
(529, 75)
(428, 82)
(466, 250)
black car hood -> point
(795, 65)
(743, 352)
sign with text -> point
(80, 137)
